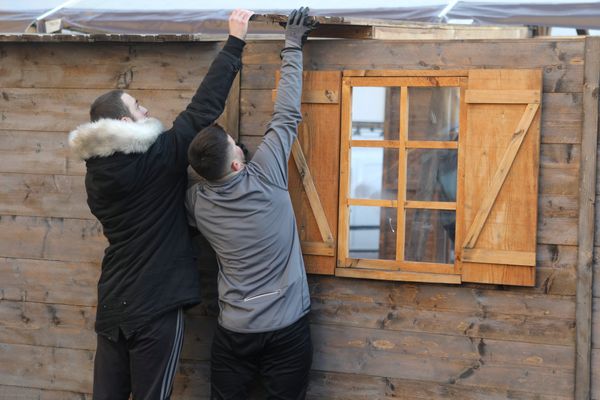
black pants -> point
(281, 358)
(143, 365)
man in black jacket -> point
(136, 182)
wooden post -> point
(587, 194)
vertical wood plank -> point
(512, 223)
(587, 193)
(344, 212)
(401, 235)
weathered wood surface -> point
(373, 339)
(595, 390)
(561, 114)
(51, 282)
(342, 386)
(587, 213)
(51, 239)
(179, 66)
(37, 153)
(46, 368)
(562, 61)
(25, 393)
(373, 352)
(462, 311)
(44, 195)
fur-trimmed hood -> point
(108, 136)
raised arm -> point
(273, 153)
(209, 101)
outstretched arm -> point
(209, 101)
(273, 153)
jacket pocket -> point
(262, 295)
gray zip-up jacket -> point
(249, 221)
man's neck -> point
(230, 175)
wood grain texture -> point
(587, 212)
(497, 134)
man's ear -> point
(126, 119)
(236, 165)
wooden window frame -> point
(398, 269)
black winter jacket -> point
(136, 182)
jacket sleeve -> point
(273, 153)
(206, 106)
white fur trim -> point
(108, 136)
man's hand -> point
(298, 27)
(238, 23)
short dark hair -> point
(109, 105)
(208, 153)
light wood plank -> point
(386, 144)
(344, 214)
(474, 96)
(416, 144)
(398, 265)
(500, 176)
(372, 203)
(402, 174)
(429, 81)
(317, 248)
(401, 72)
(499, 257)
(430, 205)
(397, 275)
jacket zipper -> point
(258, 296)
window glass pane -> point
(375, 113)
(373, 173)
(372, 233)
(433, 113)
(429, 236)
(431, 174)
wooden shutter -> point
(314, 170)
(497, 219)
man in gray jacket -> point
(245, 212)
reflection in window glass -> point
(372, 233)
(429, 236)
(373, 173)
(433, 113)
(431, 174)
(375, 113)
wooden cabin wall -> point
(372, 339)
(377, 339)
(50, 244)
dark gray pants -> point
(281, 359)
(143, 365)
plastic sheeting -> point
(153, 21)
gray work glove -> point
(298, 26)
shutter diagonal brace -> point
(500, 176)
(312, 194)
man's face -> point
(238, 153)
(137, 111)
